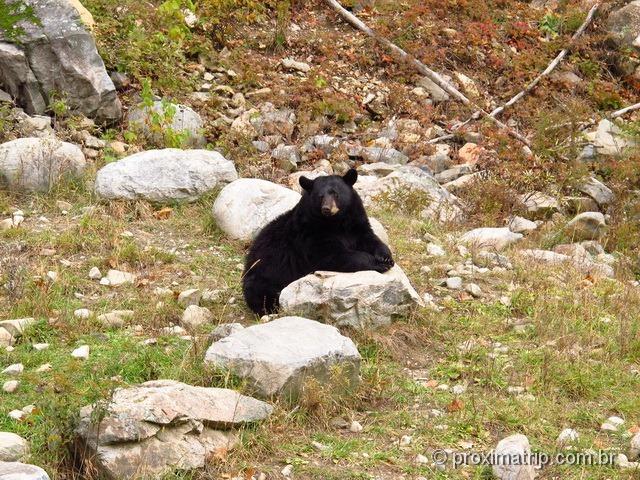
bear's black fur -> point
(327, 230)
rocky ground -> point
(510, 321)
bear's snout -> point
(329, 206)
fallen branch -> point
(554, 63)
(622, 111)
(421, 67)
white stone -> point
(279, 357)
(117, 277)
(634, 452)
(521, 225)
(95, 274)
(81, 353)
(184, 121)
(511, 451)
(454, 283)
(194, 317)
(189, 297)
(115, 318)
(44, 368)
(15, 369)
(568, 436)
(82, 313)
(245, 206)
(587, 226)
(490, 238)
(164, 175)
(39, 347)
(597, 190)
(356, 427)
(612, 424)
(21, 471)
(609, 139)
(37, 164)
(358, 300)
(10, 387)
(291, 64)
(435, 250)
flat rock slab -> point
(38, 164)
(21, 471)
(163, 425)
(360, 300)
(58, 54)
(245, 206)
(279, 357)
(164, 175)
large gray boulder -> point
(180, 118)
(37, 164)
(57, 54)
(164, 175)
(624, 25)
(12, 447)
(162, 425)
(360, 300)
(21, 471)
(279, 358)
(245, 206)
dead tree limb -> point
(554, 63)
(622, 111)
(421, 67)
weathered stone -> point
(224, 330)
(12, 448)
(514, 455)
(454, 173)
(18, 326)
(624, 25)
(359, 300)
(115, 318)
(521, 225)
(151, 429)
(116, 278)
(587, 226)
(597, 190)
(609, 140)
(195, 316)
(281, 356)
(185, 121)
(384, 155)
(37, 164)
(634, 451)
(57, 54)
(291, 64)
(21, 471)
(6, 339)
(539, 205)
(245, 206)
(490, 238)
(164, 175)
(287, 156)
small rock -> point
(634, 452)
(189, 297)
(82, 313)
(15, 369)
(287, 470)
(490, 238)
(81, 353)
(195, 316)
(405, 440)
(95, 274)
(39, 347)
(117, 277)
(568, 436)
(597, 190)
(9, 387)
(44, 368)
(291, 64)
(454, 283)
(473, 289)
(13, 448)
(511, 451)
(587, 226)
(435, 250)
(355, 427)
(612, 424)
(521, 225)
(224, 330)
(115, 318)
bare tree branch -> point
(622, 111)
(421, 67)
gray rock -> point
(116, 278)
(609, 140)
(454, 173)
(597, 190)
(281, 356)
(6, 339)
(151, 429)
(224, 330)
(185, 120)
(454, 283)
(577, 205)
(634, 452)
(115, 318)
(436, 93)
(438, 203)
(511, 451)
(441, 159)
(587, 226)
(10, 330)
(194, 317)
(326, 143)
(12, 448)
(490, 238)
(539, 205)
(5, 97)
(623, 25)
(38, 164)
(521, 225)
(291, 64)
(21, 471)
(360, 300)
(60, 55)
(287, 156)
(245, 206)
(384, 155)
(33, 126)
(164, 175)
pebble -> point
(16, 414)
(473, 289)
(44, 368)
(612, 424)
(40, 346)
(567, 437)
(435, 250)
(95, 273)
(15, 369)
(454, 283)
(421, 459)
(189, 297)
(355, 427)
(10, 386)
(405, 440)
(82, 313)
(458, 389)
(81, 353)
(287, 470)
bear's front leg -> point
(370, 243)
(352, 261)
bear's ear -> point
(350, 177)
(306, 183)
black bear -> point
(327, 230)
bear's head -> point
(330, 196)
